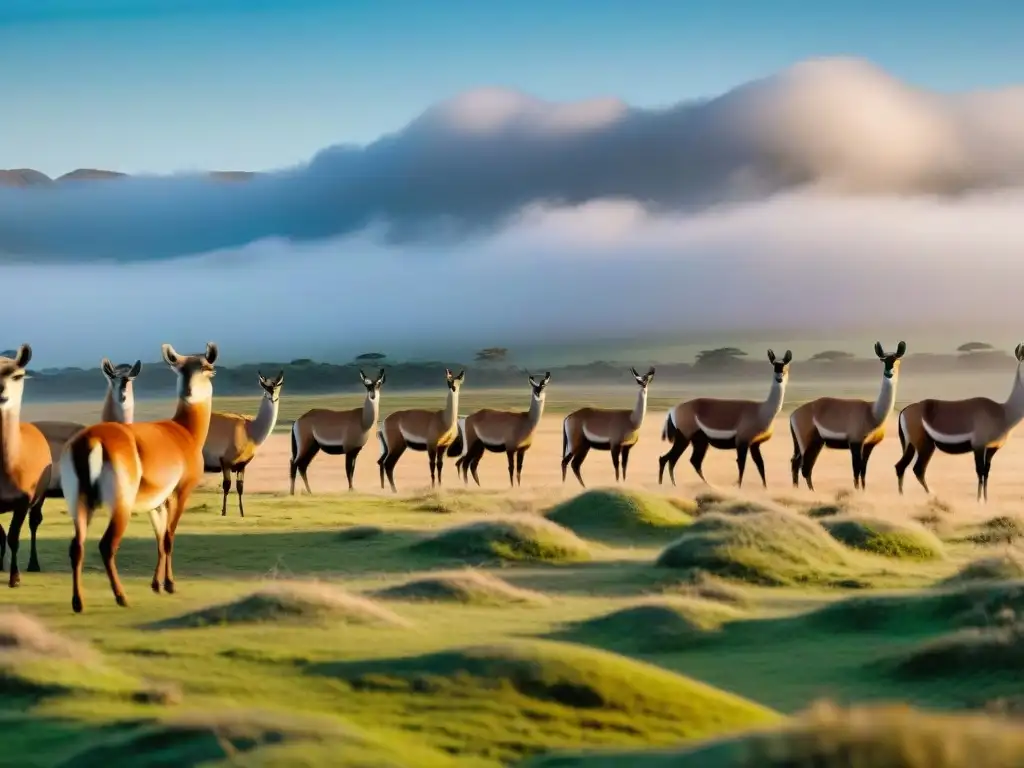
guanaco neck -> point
(10, 440)
(451, 409)
(1014, 405)
(115, 410)
(886, 398)
(536, 411)
(772, 405)
(263, 425)
(636, 417)
(195, 418)
(371, 410)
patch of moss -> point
(469, 587)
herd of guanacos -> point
(154, 466)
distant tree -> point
(492, 355)
(974, 346)
(830, 356)
(713, 358)
(370, 357)
(9, 353)
(301, 361)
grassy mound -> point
(553, 695)
(296, 602)
(772, 548)
(828, 737)
(654, 625)
(979, 650)
(35, 662)
(615, 515)
(470, 587)
(1005, 567)
(251, 737)
(509, 537)
(884, 537)
(698, 583)
(968, 605)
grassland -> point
(348, 630)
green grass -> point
(341, 628)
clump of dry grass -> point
(519, 536)
(881, 536)
(1003, 529)
(25, 636)
(294, 602)
(614, 514)
(469, 586)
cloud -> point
(475, 165)
(606, 269)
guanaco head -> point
(538, 386)
(780, 367)
(454, 382)
(12, 378)
(271, 387)
(891, 362)
(644, 380)
(372, 385)
(120, 377)
(195, 372)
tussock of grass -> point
(892, 736)
(36, 662)
(255, 736)
(292, 602)
(470, 587)
(654, 625)
(25, 636)
(772, 548)
(557, 694)
(999, 530)
(884, 537)
(613, 514)
(1006, 567)
(979, 650)
(519, 536)
(698, 583)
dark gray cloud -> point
(470, 165)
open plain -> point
(540, 625)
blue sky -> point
(169, 85)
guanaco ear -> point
(879, 352)
(211, 352)
(135, 370)
(1019, 353)
(280, 378)
(547, 377)
(263, 380)
(24, 355)
(634, 372)
(362, 376)
(380, 378)
(650, 373)
(771, 357)
(901, 349)
(788, 357)
(462, 375)
(107, 367)
(533, 382)
(171, 357)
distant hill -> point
(28, 177)
(310, 377)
